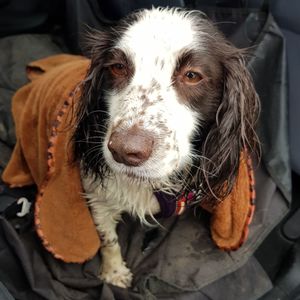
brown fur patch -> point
(117, 56)
(203, 97)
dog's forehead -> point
(158, 33)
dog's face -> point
(163, 79)
(159, 83)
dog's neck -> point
(119, 192)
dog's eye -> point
(191, 77)
(118, 70)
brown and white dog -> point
(167, 104)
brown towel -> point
(231, 218)
(43, 111)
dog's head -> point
(166, 96)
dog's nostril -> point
(131, 147)
(135, 158)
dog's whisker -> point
(94, 149)
(97, 111)
(91, 142)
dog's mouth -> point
(169, 184)
(144, 174)
(154, 172)
(141, 173)
(135, 173)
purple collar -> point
(171, 205)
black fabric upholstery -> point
(179, 261)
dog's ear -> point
(97, 43)
(91, 110)
(233, 129)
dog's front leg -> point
(113, 268)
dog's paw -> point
(117, 275)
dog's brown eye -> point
(191, 77)
(118, 70)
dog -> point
(167, 105)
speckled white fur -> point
(153, 43)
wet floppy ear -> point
(233, 129)
(96, 47)
(88, 123)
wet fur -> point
(223, 112)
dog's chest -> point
(120, 195)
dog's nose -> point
(131, 147)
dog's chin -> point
(134, 173)
(148, 173)
(135, 178)
(140, 174)
(145, 176)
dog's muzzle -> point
(132, 146)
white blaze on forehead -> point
(159, 33)
(161, 29)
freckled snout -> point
(131, 147)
